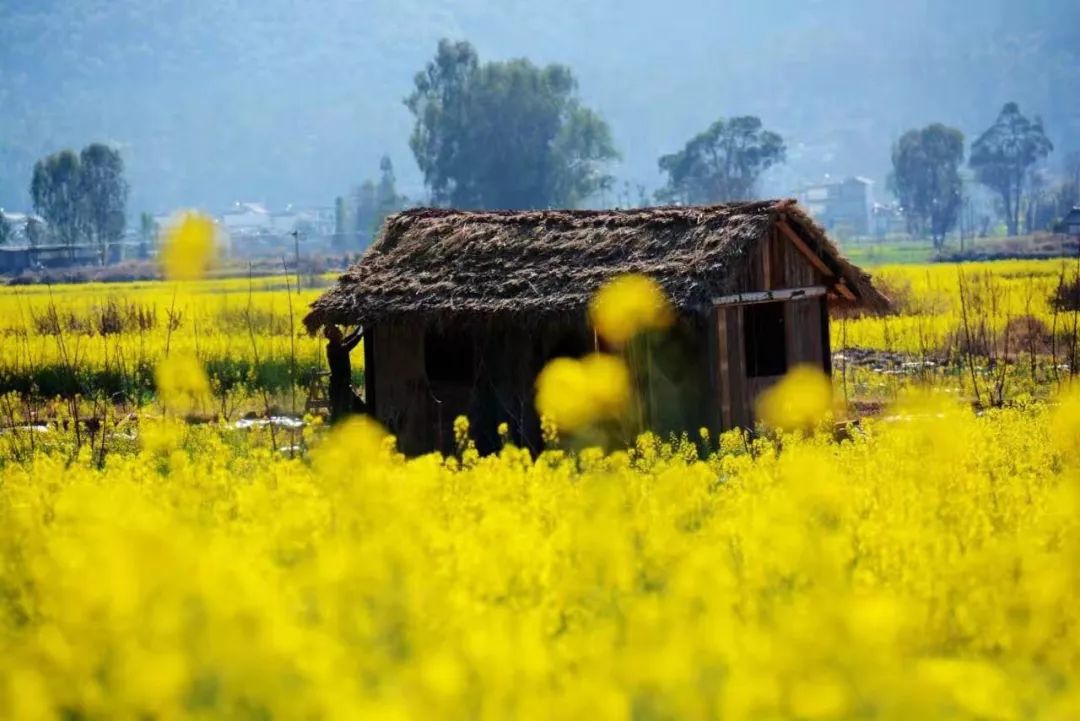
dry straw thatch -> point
(443, 264)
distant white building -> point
(284, 222)
(247, 219)
(317, 220)
(18, 224)
(844, 207)
(1070, 225)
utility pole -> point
(296, 247)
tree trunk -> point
(1010, 215)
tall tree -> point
(104, 193)
(505, 134)
(148, 232)
(723, 163)
(35, 232)
(56, 192)
(926, 179)
(1003, 154)
(387, 200)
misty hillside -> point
(286, 101)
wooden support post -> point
(723, 370)
(369, 371)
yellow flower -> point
(189, 247)
(821, 697)
(800, 400)
(628, 305)
(576, 393)
(1065, 422)
(352, 446)
(182, 384)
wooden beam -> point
(767, 296)
(811, 256)
(840, 286)
(842, 289)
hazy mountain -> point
(289, 101)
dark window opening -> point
(571, 344)
(449, 357)
(766, 343)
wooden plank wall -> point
(802, 324)
(400, 385)
(776, 265)
(742, 413)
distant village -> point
(848, 209)
(249, 231)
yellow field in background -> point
(106, 339)
(930, 311)
(109, 337)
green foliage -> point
(82, 197)
(103, 193)
(1003, 154)
(35, 232)
(148, 232)
(723, 163)
(360, 216)
(505, 134)
(55, 189)
(387, 199)
(926, 179)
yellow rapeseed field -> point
(926, 568)
(930, 308)
(925, 565)
(108, 338)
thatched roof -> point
(444, 263)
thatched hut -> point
(461, 310)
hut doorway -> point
(765, 340)
(450, 371)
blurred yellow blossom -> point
(189, 247)
(197, 572)
(821, 697)
(354, 444)
(182, 384)
(628, 305)
(575, 393)
(801, 399)
(1065, 422)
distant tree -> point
(35, 232)
(505, 134)
(363, 208)
(359, 216)
(387, 200)
(7, 231)
(342, 225)
(1071, 166)
(722, 164)
(926, 179)
(81, 197)
(104, 193)
(56, 192)
(1003, 154)
(148, 230)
